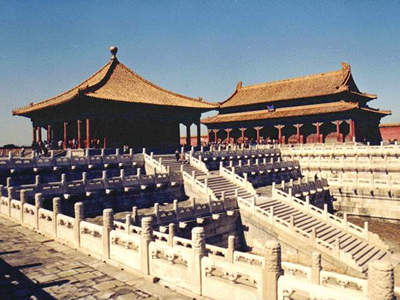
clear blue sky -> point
(198, 48)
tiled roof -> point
(296, 111)
(116, 82)
(321, 84)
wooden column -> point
(198, 133)
(228, 137)
(351, 130)
(258, 128)
(188, 140)
(317, 125)
(298, 126)
(338, 131)
(242, 131)
(33, 133)
(49, 133)
(215, 134)
(78, 126)
(279, 127)
(65, 135)
(39, 134)
(209, 135)
(87, 133)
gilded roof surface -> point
(300, 87)
(304, 110)
(116, 82)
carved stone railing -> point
(189, 179)
(240, 181)
(329, 218)
(197, 163)
(157, 166)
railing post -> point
(108, 225)
(23, 199)
(127, 223)
(79, 215)
(366, 230)
(231, 248)
(146, 237)
(316, 268)
(171, 234)
(271, 270)
(290, 193)
(134, 215)
(380, 280)
(175, 207)
(38, 205)
(199, 250)
(326, 212)
(271, 214)
(56, 211)
(11, 195)
(308, 203)
(157, 212)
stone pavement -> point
(35, 267)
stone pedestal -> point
(108, 225)
(380, 280)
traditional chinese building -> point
(325, 107)
(116, 106)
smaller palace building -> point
(116, 107)
(325, 107)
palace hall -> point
(319, 108)
(116, 107)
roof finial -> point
(113, 51)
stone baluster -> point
(127, 223)
(245, 176)
(175, 207)
(8, 182)
(104, 176)
(316, 268)
(84, 178)
(145, 239)
(37, 181)
(138, 172)
(10, 196)
(157, 212)
(308, 203)
(79, 215)
(326, 216)
(171, 234)
(56, 211)
(283, 184)
(117, 151)
(23, 197)
(108, 225)
(199, 250)
(271, 270)
(134, 215)
(231, 248)
(366, 230)
(122, 174)
(38, 205)
(380, 280)
(131, 152)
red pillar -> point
(228, 137)
(38, 134)
(65, 135)
(279, 127)
(215, 134)
(48, 133)
(353, 132)
(208, 136)
(242, 130)
(104, 142)
(78, 123)
(258, 133)
(338, 130)
(298, 132)
(87, 133)
(33, 134)
(317, 125)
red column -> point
(104, 142)
(338, 130)
(258, 133)
(228, 138)
(87, 133)
(48, 133)
(65, 135)
(33, 134)
(39, 133)
(317, 125)
(279, 127)
(242, 130)
(215, 134)
(353, 132)
(298, 132)
(208, 135)
(78, 123)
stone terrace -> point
(33, 265)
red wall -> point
(390, 132)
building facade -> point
(325, 107)
(115, 107)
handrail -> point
(231, 176)
(160, 168)
(199, 184)
(198, 164)
(330, 218)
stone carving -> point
(170, 256)
(93, 232)
(231, 276)
(44, 217)
(65, 223)
(124, 243)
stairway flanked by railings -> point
(319, 230)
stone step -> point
(359, 248)
(352, 245)
(294, 214)
(324, 234)
(338, 236)
(307, 226)
(332, 236)
(286, 213)
(306, 220)
(364, 252)
(346, 243)
(373, 255)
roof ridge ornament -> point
(239, 85)
(345, 66)
(113, 50)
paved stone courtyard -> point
(35, 267)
